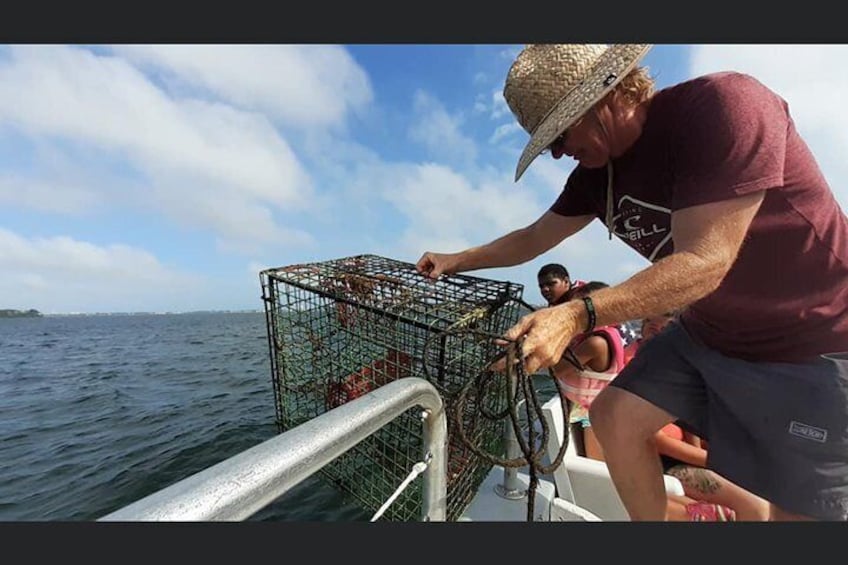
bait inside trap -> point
(338, 329)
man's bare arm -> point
(514, 248)
(525, 244)
(707, 239)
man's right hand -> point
(433, 265)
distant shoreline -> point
(11, 313)
(68, 314)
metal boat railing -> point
(240, 486)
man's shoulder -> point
(719, 83)
(716, 77)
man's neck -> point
(629, 122)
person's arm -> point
(680, 450)
(592, 351)
(706, 239)
(514, 248)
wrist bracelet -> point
(590, 311)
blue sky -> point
(165, 177)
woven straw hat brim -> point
(611, 67)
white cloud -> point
(71, 93)
(511, 53)
(46, 196)
(301, 85)
(241, 225)
(444, 207)
(201, 162)
(60, 274)
(256, 267)
(440, 132)
(500, 108)
(504, 130)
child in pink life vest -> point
(601, 354)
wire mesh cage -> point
(338, 329)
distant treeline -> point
(20, 313)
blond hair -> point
(636, 87)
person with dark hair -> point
(554, 283)
(557, 270)
(712, 183)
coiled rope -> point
(518, 385)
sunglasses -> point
(560, 139)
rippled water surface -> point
(99, 411)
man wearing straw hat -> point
(710, 181)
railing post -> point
(435, 477)
(511, 486)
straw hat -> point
(549, 87)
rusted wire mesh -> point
(338, 329)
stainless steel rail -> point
(242, 485)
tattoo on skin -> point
(696, 478)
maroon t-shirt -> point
(717, 137)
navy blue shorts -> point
(779, 430)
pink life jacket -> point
(583, 387)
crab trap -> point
(338, 329)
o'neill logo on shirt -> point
(807, 431)
(643, 226)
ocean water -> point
(99, 411)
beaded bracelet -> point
(590, 310)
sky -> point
(164, 178)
